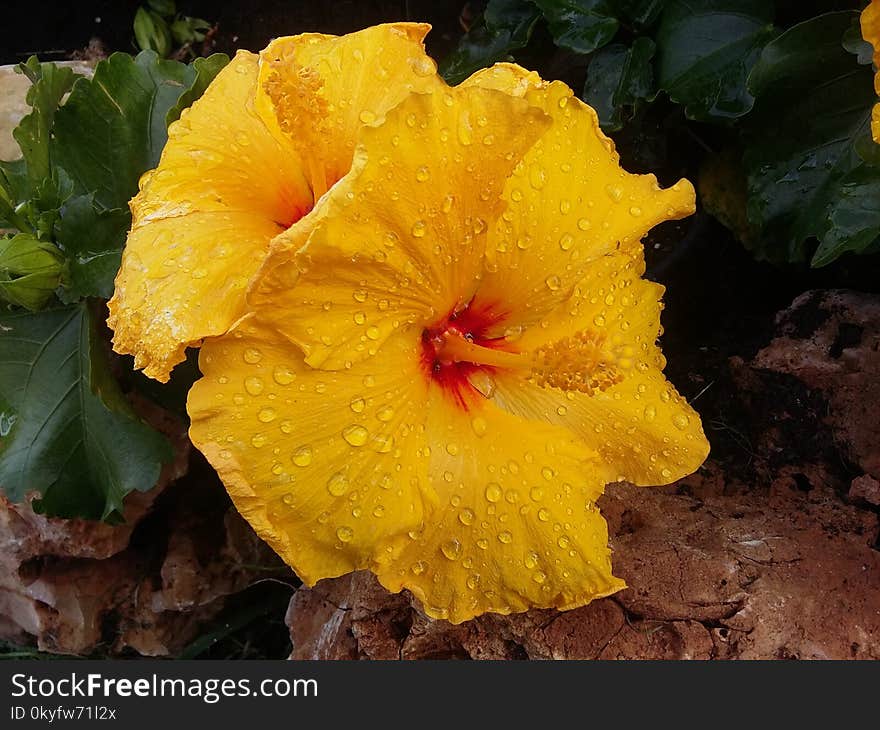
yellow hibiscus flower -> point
(447, 360)
(870, 20)
(271, 134)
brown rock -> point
(867, 488)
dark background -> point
(54, 29)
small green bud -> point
(30, 271)
(151, 32)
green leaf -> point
(505, 27)
(70, 434)
(151, 32)
(112, 128)
(581, 26)
(49, 84)
(640, 13)
(812, 116)
(205, 71)
(93, 240)
(618, 78)
(705, 50)
(30, 271)
(163, 7)
(189, 30)
(854, 216)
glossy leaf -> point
(705, 50)
(581, 26)
(506, 26)
(812, 116)
(93, 240)
(205, 70)
(70, 435)
(618, 78)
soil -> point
(770, 551)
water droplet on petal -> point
(252, 356)
(357, 405)
(337, 485)
(367, 117)
(355, 435)
(480, 426)
(451, 549)
(466, 516)
(681, 421)
(345, 534)
(505, 537)
(493, 492)
(266, 415)
(253, 385)
(423, 174)
(418, 229)
(385, 414)
(303, 456)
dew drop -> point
(479, 426)
(253, 385)
(553, 283)
(345, 534)
(418, 229)
(252, 356)
(355, 435)
(505, 537)
(419, 567)
(337, 485)
(493, 492)
(357, 405)
(373, 332)
(258, 440)
(466, 517)
(367, 117)
(650, 413)
(283, 375)
(451, 549)
(302, 456)
(543, 514)
(359, 295)
(566, 241)
(681, 421)
(635, 211)
(266, 415)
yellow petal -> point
(321, 89)
(600, 375)
(183, 279)
(400, 240)
(516, 526)
(330, 468)
(569, 202)
(870, 22)
(225, 183)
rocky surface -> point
(769, 551)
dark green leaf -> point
(705, 50)
(855, 44)
(812, 116)
(93, 240)
(151, 32)
(854, 217)
(163, 7)
(49, 84)
(205, 71)
(70, 434)
(640, 13)
(112, 128)
(618, 79)
(581, 26)
(505, 27)
(189, 30)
